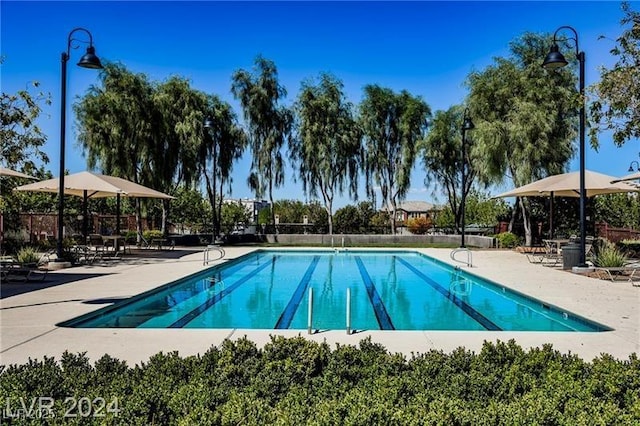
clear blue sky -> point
(427, 48)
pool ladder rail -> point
(311, 330)
(468, 262)
(207, 253)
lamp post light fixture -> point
(467, 124)
(88, 60)
(209, 125)
(555, 60)
(631, 169)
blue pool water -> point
(390, 290)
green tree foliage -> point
(441, 153)
(118, 128)
(524, 116)
(347, 220)
(485, 211)
(616, 106)
(617, 210)
(317, 217)
(328, 144)
(392, 125)
(233, 214)
(379, 222)
(21, 137)
(188, 210)
(297, 381)
(268, 124)
(217, 150)
(290, 211)
(360, 219)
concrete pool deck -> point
(29, 312)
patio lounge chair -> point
(16, 271)
(551, 256)
(624, 273)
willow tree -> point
(328, 145)
(616, 106)
(117, 127)
(525, 118)
(392, 124)
(221, 145)
(180, 110)
(268, 124)
(441, 154)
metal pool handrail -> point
(460, 250)
(208, 249)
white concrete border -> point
(28, 330)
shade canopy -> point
(633, 176)
(96, 185)
(12, 173)
(568, 185)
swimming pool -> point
(389, 290)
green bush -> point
(131, 237)
(507, 240)
(149, 234)
(27, 255)
(609, 256)
(297, 381)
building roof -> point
(416, 206)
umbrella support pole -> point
(468, 262)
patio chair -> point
(551, 256)
(625, 273)
(15, 271)
(95, 244)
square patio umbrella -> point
(12, 173)
(633, 176)
(568, 185)
(93, 185)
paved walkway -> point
(29, 312)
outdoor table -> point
(115, 241)
(558, 243)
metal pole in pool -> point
(348, 311)
(310, 316)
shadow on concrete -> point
(151, 253)
(96, 269)
(14, 288)
(105, 300)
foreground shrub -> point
(296, 381)
(609, 256)
(507, 240)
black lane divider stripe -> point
(384, 320)
(468, 309)
(217, 297)
(287, 315)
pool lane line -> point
(384, 320)
(218, 296)
(287, 315)
(468, 309)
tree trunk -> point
(526, 220)
(165, 208)
(138, 221)
(393, 217)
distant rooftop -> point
(416, 206)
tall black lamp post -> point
(209, 125)
(467, 124)
(556, 60)
(89, 60)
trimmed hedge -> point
(296, 381)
